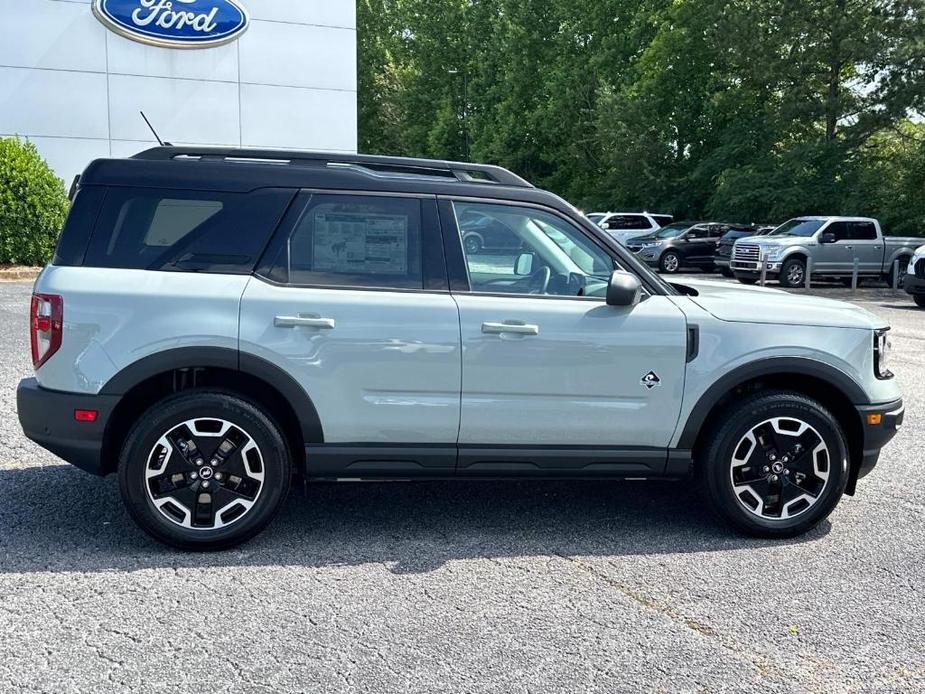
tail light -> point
(46, 323)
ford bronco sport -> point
(217, 322)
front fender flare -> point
(799, 366)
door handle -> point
(305, 321)
(849, 248)
(516, 328)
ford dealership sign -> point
(174, 23)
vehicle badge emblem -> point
(651, 380)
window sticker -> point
(358, 242)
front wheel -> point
(777, 465)
(670, 262)
(793, 273)
(747, 280)
(725, 272)
(919, 300)
(204, 470)
(472, 244)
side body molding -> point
(229, 359)
(766, 367)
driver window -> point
(549, 257)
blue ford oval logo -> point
(174, 23)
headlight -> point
(655, 244)
(919, 255)
(772, 252)
(882, 349)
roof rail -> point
(366, 164)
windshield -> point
(798, 227)
(672, 230)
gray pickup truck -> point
(831, 244)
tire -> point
(801, 503)
(472, 244)
(903, 269)
(247, 486)
(919, 300)
(670, 262)
(793, 273)
(747, 280)
(726, 272)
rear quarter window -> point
(180, 230)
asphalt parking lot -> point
(467, 587)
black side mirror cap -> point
(624, 289)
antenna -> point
(153, 131)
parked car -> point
(212, 326)
(723, 256)
(831, 243)
(623, 226)
(679, 245)
(915, 279)
(482, 233)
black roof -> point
(242, 170)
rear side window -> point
(662, 220)
(179, 230)
(628, 221)
(863, 231)
(354, 241)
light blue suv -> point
(216, 322)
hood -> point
(743, 304)
(778, 240)
(641, 239)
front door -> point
(699, 245)
(555, 381)
(835, 257)
(354, 306)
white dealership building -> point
(73, 79)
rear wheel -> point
(903, 269)
(793, 273)
(204, 470)
(777, 466)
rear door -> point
(554, 381)
(353, 302)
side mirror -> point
(827, 237)
(623, 289)
(523, 265)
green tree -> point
(33, 204)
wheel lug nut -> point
(786, 471)
(218, 476)
(772, 457)
(205, 484)
(774, 478)
(194, 476)
(766, 469)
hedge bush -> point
(33, 204)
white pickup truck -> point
(832, 244)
